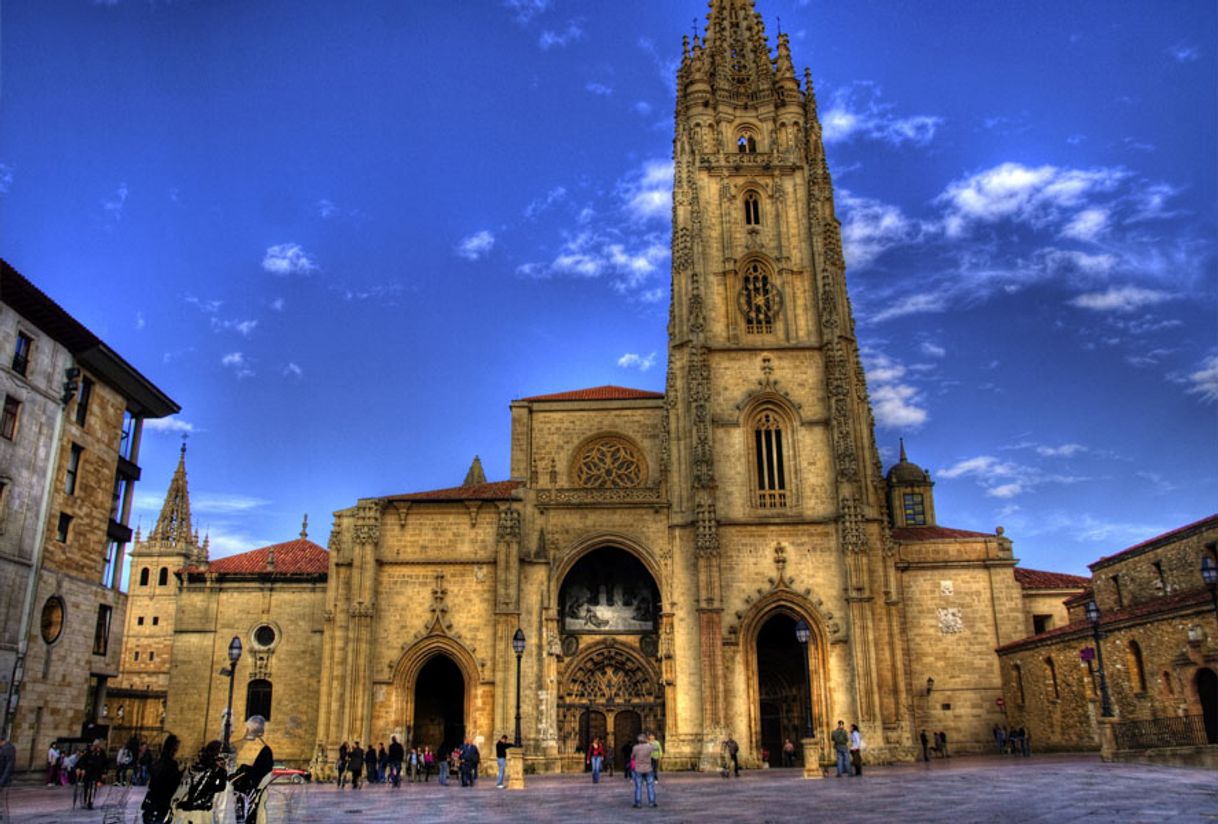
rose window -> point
(608, 464)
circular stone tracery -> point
(609, 463)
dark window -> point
(771, 471)
(69, 480)
(258, 698)
(162, 578)
(144, 577)
(1116, 583)
(1051, 678)
(1137, 668)
(101, 633)
(1041, 623)
(82, 401)
(152, 656)
(65, 525)
(752, 209)
(746, 144)
(8, 424)
(114, 554)
(21, 354)
(139, 621)
(757, 300)
(1018, 671)
(130, 434)
(156, 619)
(915, 509)
(1162, 582)
(264, 636)
(136, 656)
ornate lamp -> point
(1093, 616)
(234, 655)
(802, 634)
(518, 648)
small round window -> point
(265, 636)
(52, 619)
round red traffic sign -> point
(1002, 702)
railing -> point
(1180, 731)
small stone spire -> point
(270, 557)
(903, 458)
(475, 476)
(204, 550)
(304, 528)
(173, 526)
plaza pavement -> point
(1049, 788)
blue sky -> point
(345, 235)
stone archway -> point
(434, 687)
(613, 682)
(438, 720)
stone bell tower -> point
(771, 448)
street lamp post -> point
(1209, 574)
(1093, 615)
(234, 655)
(518, 647)
(802, 634)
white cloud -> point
(223, 503)
(207, 307)
(632, 261)
(1005, 490)
(1120, 299)
(630, 360)
(238, 363)
(870, 228)
(642, 107)
(1066, 450)
(1087, 224)
(932, 350)
(914, 304)
(277, 305)
(6, 178)
(245, 328)
(550, 39)
(140, 323)
(647, 191)
(1004, 479)
(114, 205)
(293, 370)
(856, 111)
(526, 10)
(980, 465)
(171, 424)
(326, 208)
(599, 89)
(1184, 53)
(288, 259)
(894, 403)
(1204, 381)
(555, 195)
(477, 245)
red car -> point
(289, 775)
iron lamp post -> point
(1093, 615)
(234, 655)
(518, 647)
(802, 633)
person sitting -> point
(205, 779)
(255, 760)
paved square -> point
(1053, 788)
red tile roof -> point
(599, 393)
(298, 557)
(1039, 579)
(914, 534)
(1166, 603)
(497, 491)
(1158, 540)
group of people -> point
(848, 749)
(1016, 741)
(939, 748)
(201, 793)
(386, 765)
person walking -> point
(596, 757)
(640, 760)
(429, 762)
(657, 752)
(122, 764)
(163, 782)
(92, 770)
(442, 765)
(340, 766)
(355, 764)
(370, 763)
(53, 757)
(788, 753)
(841, 748)
(382, 762)
(8, 762)
(501, 748)
(943, 745)
(396, 753)
(925, 746)
(856, 749)
(1000, 738)
(733, 754)
(471, 758)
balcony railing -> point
(1179, 731)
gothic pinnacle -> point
(304, 528)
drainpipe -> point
(71, 375)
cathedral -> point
(724, 559)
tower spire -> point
(173, 526)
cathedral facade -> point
(658, 551)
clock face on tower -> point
(52, 619)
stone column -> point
(812, 767)
(1108, 745)
(515, 768)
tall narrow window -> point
(114, 551)
(752, 209)
(162, 577)
(82, 401)
(101, 632)
(1018, 672)
(63, 528)
(746, 144)
(8, 423)
(1161, 581)
(915, 509)
(258, 698)
(758, 300)
(1137, 668)
(1051, 679)
(144, 577)
(1116, 584)
(771, 471)
(69, 480)
(21, 353)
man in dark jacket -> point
(8, 759)
(370, 763)
(469, 763)
(355, 764)
(395, 753)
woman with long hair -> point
(163, 781)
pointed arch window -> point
(746, 143)
(759, 300)
(770, 460)
(144, 577)
(752, 209)
(1051, 679)
(162, 577)
(1137, 668)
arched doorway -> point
(1207, 693)
(781, 687)
(439, 705)
(627, 725)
